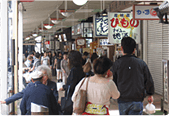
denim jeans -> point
(130, 108)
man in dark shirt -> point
(40, 94)
(52, 85)
(133, 79)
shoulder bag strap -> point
(87, 83)
(81, 85)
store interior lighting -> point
(80, 2)
(64, 36)
(60, 38)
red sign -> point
(47, 42)
(26, 0)
(124, 23)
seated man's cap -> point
(37, 74)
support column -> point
(20, 36)
(3, 54)
(145, 40)
(15, 47)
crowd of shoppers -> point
(128, 79)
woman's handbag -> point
(66, 102)
(79, 104)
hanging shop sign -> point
(122, 24)
(47, 42)
(144, 12)
(101, 26)
(80, 42)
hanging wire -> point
(49, 19)
(65, 5)
(57, 13)
(42, 26)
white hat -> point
(37, 74)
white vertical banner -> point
(122, 24)
(3, 54)
(20, 36)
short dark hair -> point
(85, 53)
(31, 53)
(37, 55)
(102, 65)
(128, 45)
(75, 59)
(29, 57)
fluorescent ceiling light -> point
(64, 36)
(80, 2)
(60, 39)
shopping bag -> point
(59, 85)
(79, 104)
(66, 102)
(150, 108)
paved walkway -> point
(114, 105)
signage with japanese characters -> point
(144, 12)
(122, 24)
(101, 26)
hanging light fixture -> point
(42, 29)
(35, 34)
(57, 19)
(27, 38)
(65, 12)
(80, 2)
(48, 26)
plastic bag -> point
(150, 108)
(60, 85)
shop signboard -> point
(47, 42)
(101, 26)
(144, 12)
(122, 24)
(80, 42)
